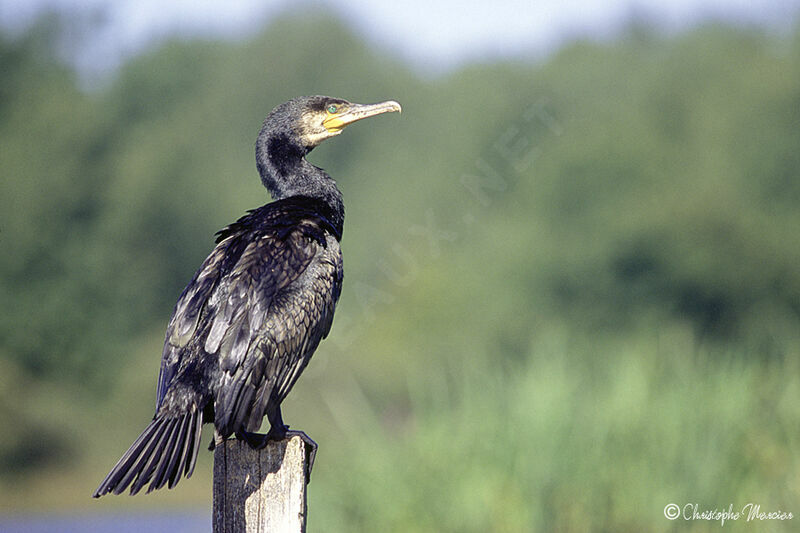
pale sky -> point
(432, 34)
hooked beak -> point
(354, 112)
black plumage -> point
(250, 319)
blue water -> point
(195, 522)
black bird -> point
(251, 317)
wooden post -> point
(260, 491)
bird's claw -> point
(311, 450)
(259, 441)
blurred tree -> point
(613, 187)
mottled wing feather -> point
(310, 311)
(246, 325)
(185, 320)
(303, 283)
(241, 333)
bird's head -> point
(294, 128)
(312, 119)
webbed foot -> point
(258, 441)
(311, 450)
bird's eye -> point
(331, 109)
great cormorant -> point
(251, 317)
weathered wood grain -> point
(260, 491)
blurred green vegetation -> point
(572, 290)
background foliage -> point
(571, 296)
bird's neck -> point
(286, 173)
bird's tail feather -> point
(164, 452)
